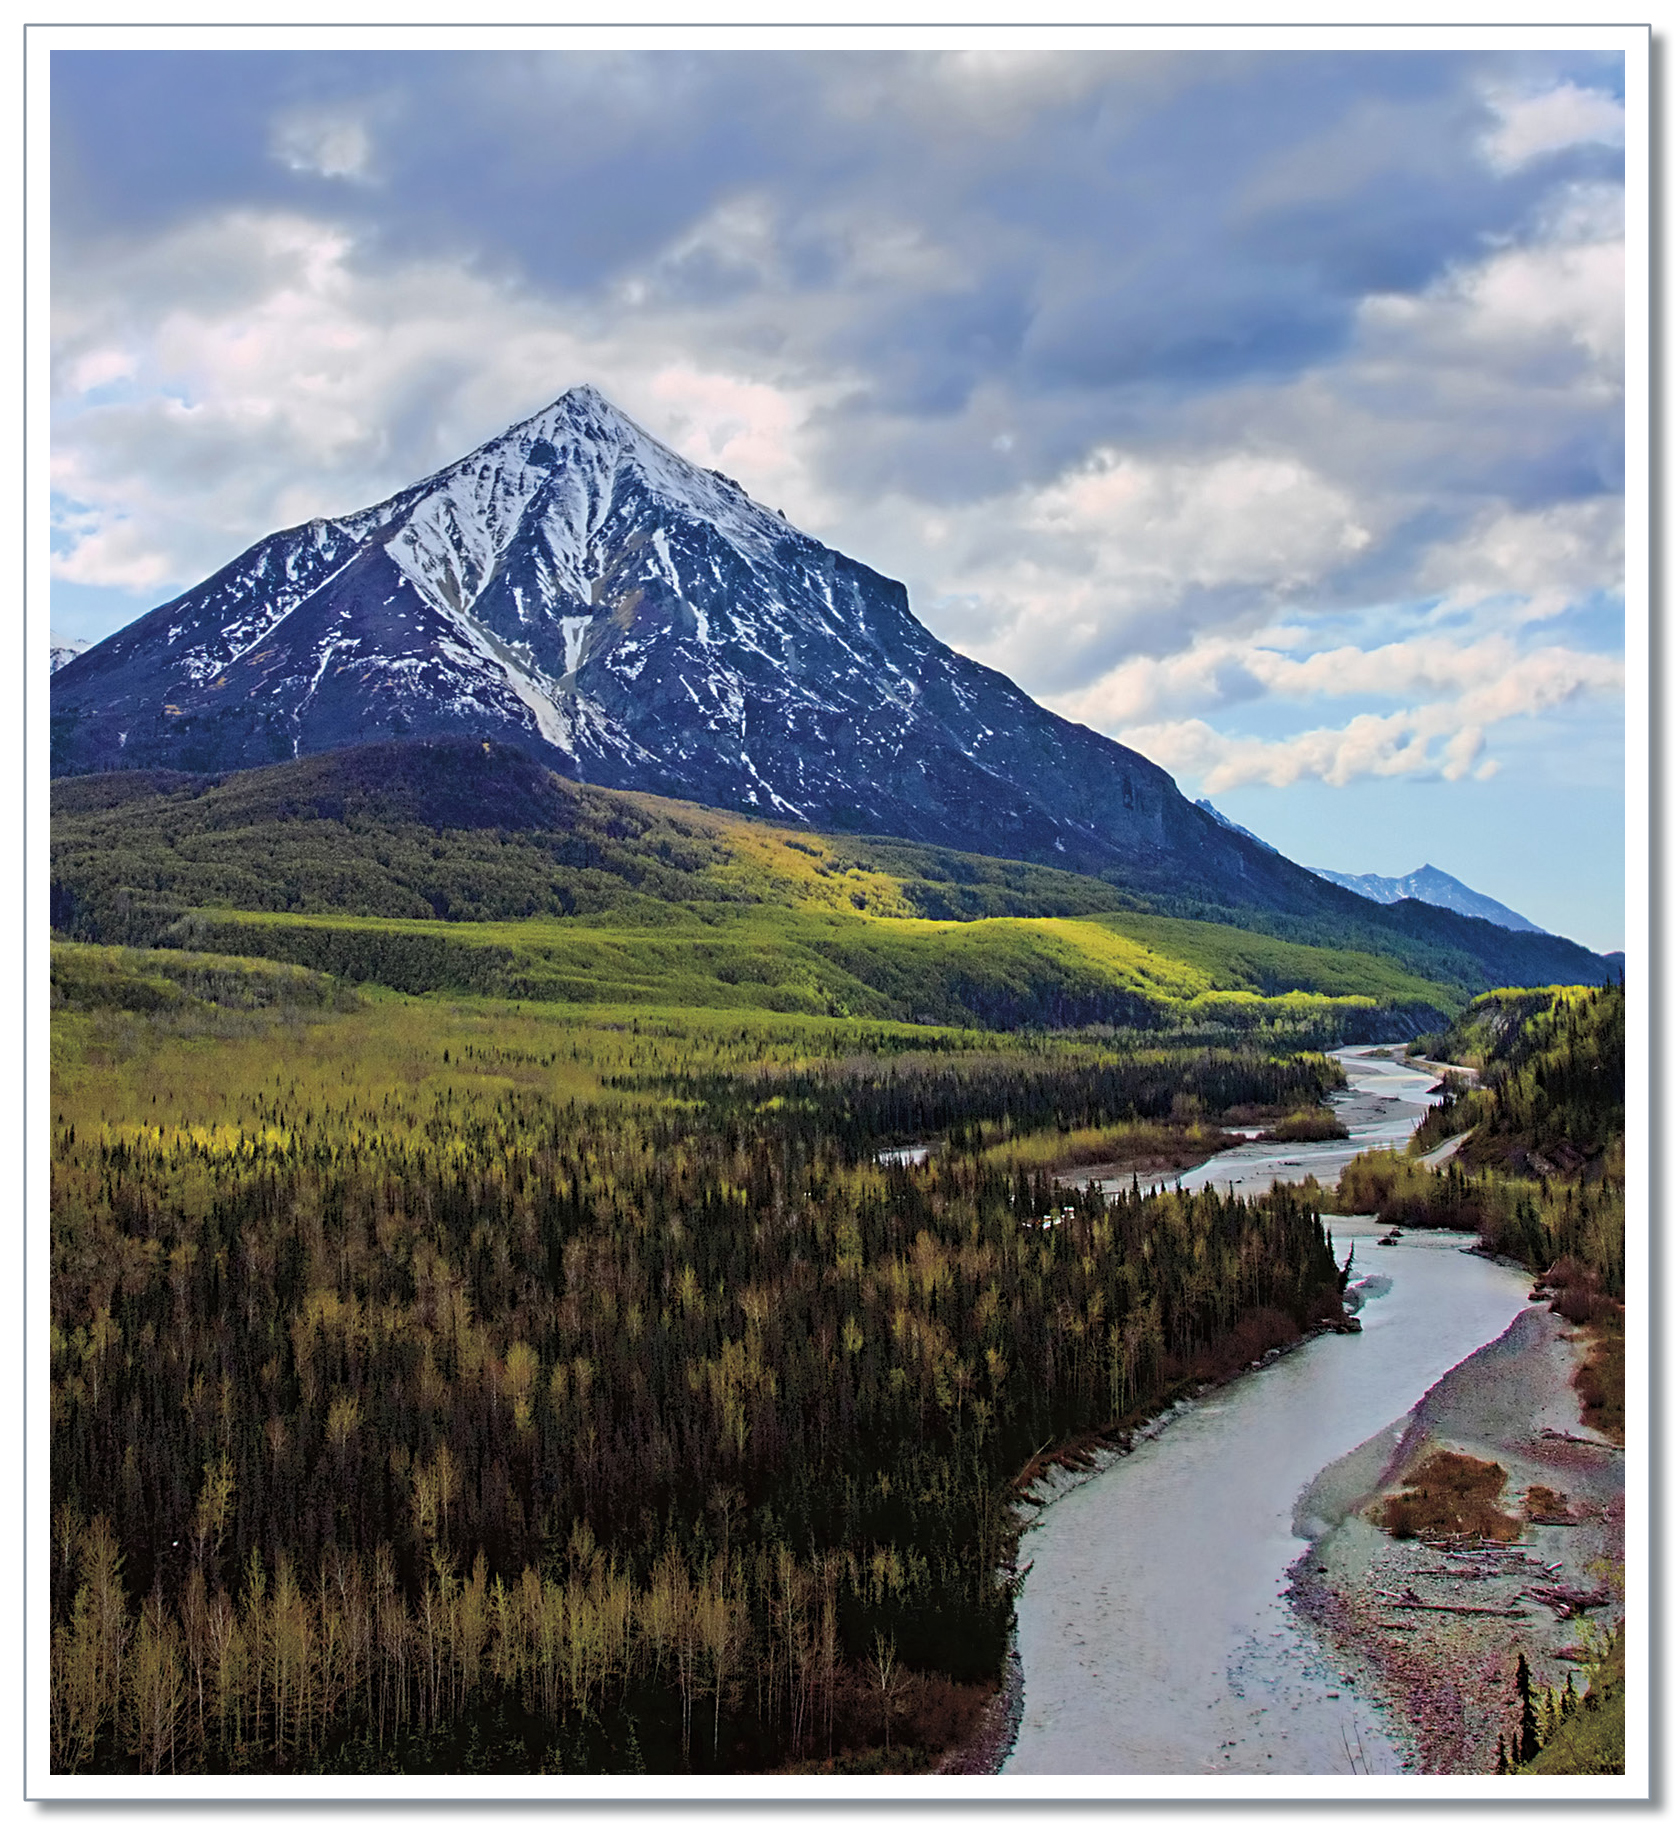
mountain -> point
(1227, 823)
(64, 648)
(634, 621)
(1434, 888)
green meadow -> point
(470, 870)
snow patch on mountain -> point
(65, 647)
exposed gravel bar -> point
(1447, 1675)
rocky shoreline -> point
(991, 1742)
(1435, 1630)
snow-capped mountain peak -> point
(556, 478)
(576, 587)
(1434, 888)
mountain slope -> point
(635, 621)
(463, 831)
(1434, 888)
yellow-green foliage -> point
(1586, 1733)
(1308, 1125)
(1178, 1146)
(122, 1057)
(996, 973)
(1494, 1024)
(1536, 1221)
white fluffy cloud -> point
(1545, 560)
(1443, 738)
(1534, 125)
(1218, 670)
(1106, 555)
(1558, 293)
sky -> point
(1262, 410)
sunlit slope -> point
(435, 866)
(424, 832)
(989, 973)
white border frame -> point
(39, 42)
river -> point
(1152, 1627)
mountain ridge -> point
(1434, 888)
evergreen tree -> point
(1529, 1733)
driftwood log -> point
(1572, 1438)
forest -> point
(453, 1384)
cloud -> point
(1560, 291)
(330, 145)
(1126, 552)
(1440, 740)
(1488, 679)
(1533, 126)
(1546, 561)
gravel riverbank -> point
(1445, 1676)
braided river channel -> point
(1152, 1628)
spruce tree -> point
(1529, 1735)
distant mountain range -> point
(64, 648)
(576, 591)
(1436, 889)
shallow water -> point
(1152, 1629)
(1384, 1103)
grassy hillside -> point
(464, 834)
(430, 868)
(1120, 970)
